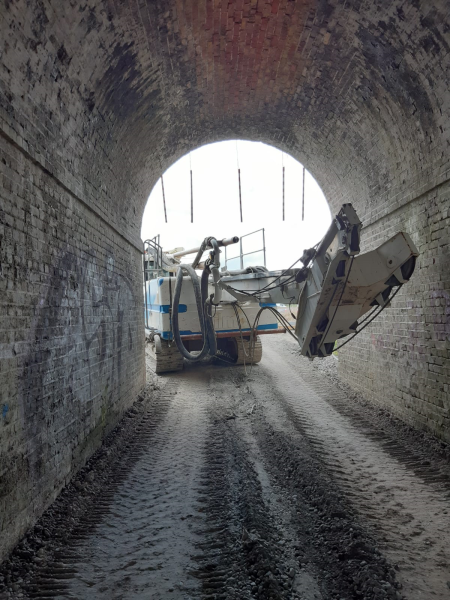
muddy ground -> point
(235, 483)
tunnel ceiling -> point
(107, 94)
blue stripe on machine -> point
(264, 304)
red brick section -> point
(330, 82)
(244, 49)
(97, 98)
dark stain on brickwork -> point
(107, 305)
(390, 77)
(36, 367)
(62, 55)
(121, 78)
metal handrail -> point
(154, 243)
(242, 254)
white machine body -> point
(159, 299)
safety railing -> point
(152, 267)
(240, 261)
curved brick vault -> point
(98, 97)
(356, 90)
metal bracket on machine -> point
(341, 286)
(329, 268)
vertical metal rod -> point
(192, 200)
(158, 254)
(264, 246)
(303, 196)
(164, 198)
(283, 193)
(239, 180)
(241, 257)
(145, 287)
(240, 196)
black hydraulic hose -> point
(207, 306)
(370, 320)
(214, 243)
(175, 310)
(330, 322)
(207, 241)
(200, 253)
(201, 300)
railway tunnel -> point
(98, 98)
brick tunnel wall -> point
(71, 318)
(72, 342)
(401, 361)
(98, 98)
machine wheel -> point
(167, 358)
(242, 351)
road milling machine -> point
(336, 290)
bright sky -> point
(216, 202)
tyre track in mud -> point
(102, 537)
(408, 513)
(226, 485)
(426, 456)
(142, 546)
(303, 534)
(245, 556)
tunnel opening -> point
(224, 175)
(267, 207)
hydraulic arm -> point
(336, 286)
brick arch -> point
(120, 90)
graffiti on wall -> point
(85, 335)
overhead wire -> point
(162, 188)
(164, 197)
(303, 196)
(239, 180)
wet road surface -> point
(235, 483)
